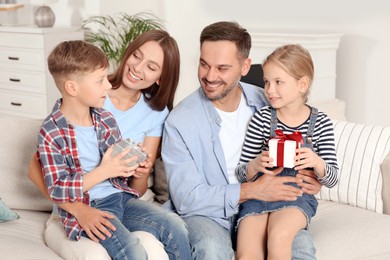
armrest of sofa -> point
(385, 168)
(362, 152)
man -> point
(202, 143)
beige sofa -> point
(349, 223)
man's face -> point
(220, 68)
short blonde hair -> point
(295, 60)
(71, 58)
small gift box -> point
(282, 148)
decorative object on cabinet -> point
(8, 13)
(117, 31)
(44, 15)
(27, 89)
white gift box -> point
(288, 152)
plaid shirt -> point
(59, 158)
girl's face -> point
(281, 89)
(143, 67)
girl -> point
(267, 229)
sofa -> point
(352, 221)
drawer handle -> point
(13, 58)
(16, 104)
(14, 80)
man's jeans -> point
(137, 215)
(209, 240)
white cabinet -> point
(26, 86)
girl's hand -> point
(262, 163)
(116, 166)
(307, 158)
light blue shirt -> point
(194, 160)
(87, 145)
(139, 121)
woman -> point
(144, 85)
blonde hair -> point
(295, 60)
(73, 58)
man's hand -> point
(309, 184)
(94, 222)
(271, 188)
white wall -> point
(362, 58)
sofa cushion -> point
(334, 108)
(341, 231)
(160, 187)
(18, 143)
(360, 151)
(23, 238)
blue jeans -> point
(209, 240)
(132, 214)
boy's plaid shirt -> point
(58, 155)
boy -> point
(75, 146)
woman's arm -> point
(139, 181)
(36, 176)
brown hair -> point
(74, 57)
(228, 31)
(157, 96)
(295, 60)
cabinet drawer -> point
(22, 59)
(19, 80)
(22, 40)
(23, 105)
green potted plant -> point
(115, 32)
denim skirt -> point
(306, 203)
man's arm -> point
(270, 188)
(196, 182)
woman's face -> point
(143, 67)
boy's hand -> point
(94, 222)
(116, 166)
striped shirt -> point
(258, 134)
(59, 158)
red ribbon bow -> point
(296, 136)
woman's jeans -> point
(209, 240)
(133, 214)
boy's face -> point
(93, 88)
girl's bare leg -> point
(251, 237)
(283, 225)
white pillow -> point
(334, 108)
(18, 143)
(360, 151)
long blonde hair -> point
(295, 60)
